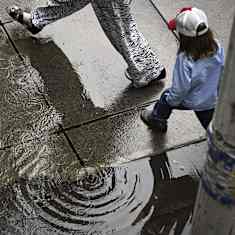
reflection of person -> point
(196, 74)
(118, 25)
(173, 205)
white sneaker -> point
(145, 81)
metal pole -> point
(214, 212)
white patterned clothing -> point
(119, 26)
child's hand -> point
(172, 24)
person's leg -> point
(157, 118)
(121, 29)
(55, 10)
(162, 110)
(205, 117)
(42, 16)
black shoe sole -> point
(157, 127)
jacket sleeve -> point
(181, 83)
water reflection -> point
(141, 197)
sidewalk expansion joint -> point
(170, 149)
(154, 154)
(43, 96)
(135, 108)
(11, 41)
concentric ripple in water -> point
(104, 201)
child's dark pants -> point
(162, 110)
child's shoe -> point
(23, 18)
(157, 124)
(142, 82)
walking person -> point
(196, 74)
(118, 24)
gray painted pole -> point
(214, 212)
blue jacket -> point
(195, 83)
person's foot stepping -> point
(23, 18)
(156, 124)
(143, 82)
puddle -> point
(25, 114)
(141, 197)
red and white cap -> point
(188, 20)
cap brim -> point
(172, 24)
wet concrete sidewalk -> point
(70, 129)
(150, 195)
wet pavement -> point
(75, 156)
(151, 195)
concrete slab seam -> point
(61, 129)
(43, 96)
(11, 41)
(137, 107)
(173, 148)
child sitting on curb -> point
(196, 75)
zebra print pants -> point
(119, 26)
